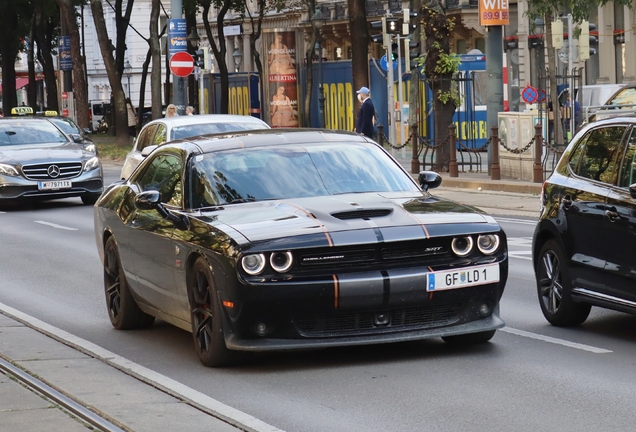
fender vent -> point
(362, 214)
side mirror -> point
(87, 131)
(429, 180)
(148, 200)
(77, 138)
(632, 190)
(147, 150)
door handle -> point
(612, 214)
(567, 201)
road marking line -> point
(56, 226)
(555, 340)
(224, 412)
(517, 221)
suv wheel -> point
(555, 290)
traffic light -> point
(585, 40)
(392, 25)
(414, 54)
(198, 58)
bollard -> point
(537, 169)
(415, 161)
(452, 166)
(495, 170)
(380, 135)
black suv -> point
(584, 243)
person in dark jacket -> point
(364, 121)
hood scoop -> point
(362, 214)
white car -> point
(160, 131)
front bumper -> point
(372, 307)
(87, 183)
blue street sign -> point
(177, 36)
(64, 51)
(385, 65)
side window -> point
(628, 170)
(598, 159)
(161, 135)
(145, 137)
(164, 175)
(576, 153)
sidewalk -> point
(116, 400)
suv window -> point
(164, 175)
(598, 154)
(628, 170)
(161, 136)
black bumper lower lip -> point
(492, 322)
(95, 186)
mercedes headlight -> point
(91, 164)
(9, 170)
(91, 148)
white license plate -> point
(463, 277)
(55, 184)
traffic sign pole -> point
(178, 87)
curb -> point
(493, 185)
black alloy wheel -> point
(123, 311)
(207, 329)
(555, 290)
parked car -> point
(584, 241)
(70, 128)
(595, 95)
(620, 104)
(159, 132)
(98, 110)
(295, 239)
(39, 161)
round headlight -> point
(488, 243)
(253, 264)
(462, 246)
(281, 261)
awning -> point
(19, 83)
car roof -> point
(208, 118)
(269, 137)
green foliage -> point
(580, 9)
(447, 63)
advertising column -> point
(282, 88)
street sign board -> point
(181, 64)
(177, 36)
(385, 64)
(64, 50)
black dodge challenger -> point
(295, 239)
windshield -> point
(266, 173)
(66, 125)
(29, 132)
(211, 128)
(625, 97)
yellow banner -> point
(493, 12)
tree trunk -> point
(359, 38)
(309, 61)
(142, 90)
(32, 88)
(43, 38)
(191, 21)
(554, 93)
(414, 92)
(9, 50)
(220, 50)
(80, 87)
(155, 48)
(118, 96)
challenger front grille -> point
(344, 324)
(42, 171)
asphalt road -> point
(530, 377)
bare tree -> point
(359, 38)
(155, 50)
(119, 98)
(80, 87)
(47, 16)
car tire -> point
(207, 328)
(470, 338)
(123, 311)
(90, 199)
(555, 290)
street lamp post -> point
(318, 20)
(237, 55)
(128, 72)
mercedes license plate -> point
(55, 184)
(463, 277)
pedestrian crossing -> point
(520, 248)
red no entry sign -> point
(181, 64)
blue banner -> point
(64, 51)
(177, 36)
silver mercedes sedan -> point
(39, 161)
(160, 131)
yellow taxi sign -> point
(22, 110)
(50, 113)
